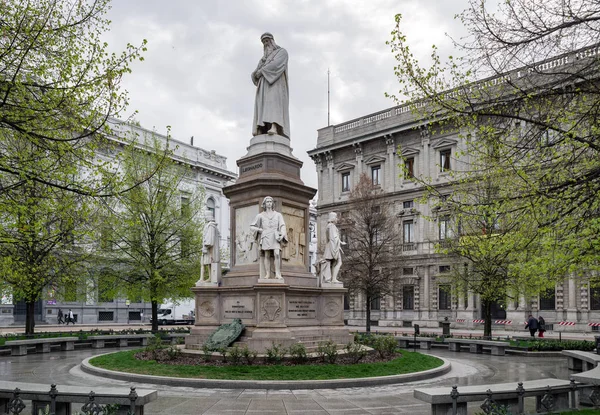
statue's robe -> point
(272, 93)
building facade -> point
(423, 295)
(209, 171)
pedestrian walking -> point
(60, 317)
(70, 317)
(541, 326)
(532, 325)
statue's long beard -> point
(268, 50)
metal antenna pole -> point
(328, 123)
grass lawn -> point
(409, 362)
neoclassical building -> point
(209, 171)
(423, 296)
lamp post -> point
(127, 303)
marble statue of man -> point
(333, 249)
(270, 234)
(211, 258)
(271, 107)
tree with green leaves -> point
(44, 237)
(152, 234)
(58, 87)
(494, 255)
(371, 261)
(524, 96)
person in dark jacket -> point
(541, 326)
(532, 325)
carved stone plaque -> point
(271, 308)
(206, 308)
(246, 249)
(332, 308)
(239, 307)
(302, 307)
(295, 251)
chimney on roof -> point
(192, 140)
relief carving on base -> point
(271, 308)
(206, 308)
(332, 309)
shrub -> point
(223, 352)
(385, 345)
(235, 354)
(206, 353)
(327, 351)
(275, 353)
(173, 352)
(154, 346)
(298, 353)
(249, 355)
(356, 352)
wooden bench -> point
(122, 340)
(61, 397)
(581, 361)
(424, 343)
(476, 346)
(444, 399)
(19, 347)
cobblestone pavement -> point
(62, 368)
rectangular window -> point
(375, 178)
(105, 294)
(408, 204)
(444, 268)
(345, 182)
(376, 304)
(408, 297)
(376, 236)
(444, 297)
(409, 168)
(185, 207)
(548, 299)
(106, 243)
(408, 234)
(407, 271)
(594, 298)
(445, 231)
(445, 160)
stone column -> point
(424, 296)
(470, 301)
(359, 164)
(331, 173)
(572, 304)
(426, 169)
(390, 182)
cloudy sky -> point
(196, 73)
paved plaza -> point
(62, 368)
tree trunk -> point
(154, 316)
(29, 317)
(368, 308)
(487, 315)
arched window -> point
(210, 206)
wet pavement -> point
(63, 369)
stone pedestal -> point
(286, 311)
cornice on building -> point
(401, 117)
(208, 162)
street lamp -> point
(127, 303)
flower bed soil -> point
(162, 357)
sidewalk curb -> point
(265, 384)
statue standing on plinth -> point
(271, 107)
(211, 258)
(270, 234)
(329, 266)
